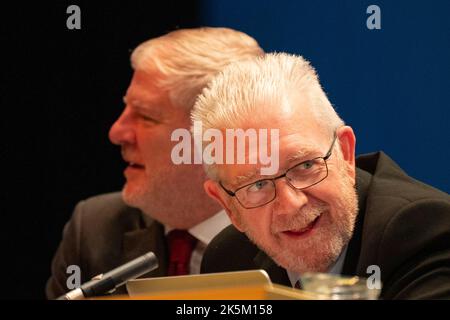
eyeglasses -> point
(301, 176)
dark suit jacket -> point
(403, 226)
(102, 234)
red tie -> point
(181, 245)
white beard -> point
(319, 251)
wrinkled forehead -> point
(145, 81)
(145, 94)
(292, 133)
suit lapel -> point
(140, 241)
(363, 179)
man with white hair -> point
(162, 207)
(324, 210)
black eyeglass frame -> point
(325, 158)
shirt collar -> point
(208, 229)
(336, 268)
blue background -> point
(62, 90)
(391, 85)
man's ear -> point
(213, 190)
(347, 142)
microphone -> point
(109, 281)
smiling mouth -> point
(304, 231)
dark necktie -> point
(181, 244)
(298, 285)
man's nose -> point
(288, 200)
(122, 130)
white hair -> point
(252, 88)
(187, 59)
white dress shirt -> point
(336, 268)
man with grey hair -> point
(324, 210)
(162, 207)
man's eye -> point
(307, 165)
(148, 119)
(258, 185)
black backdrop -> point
(61, 91)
